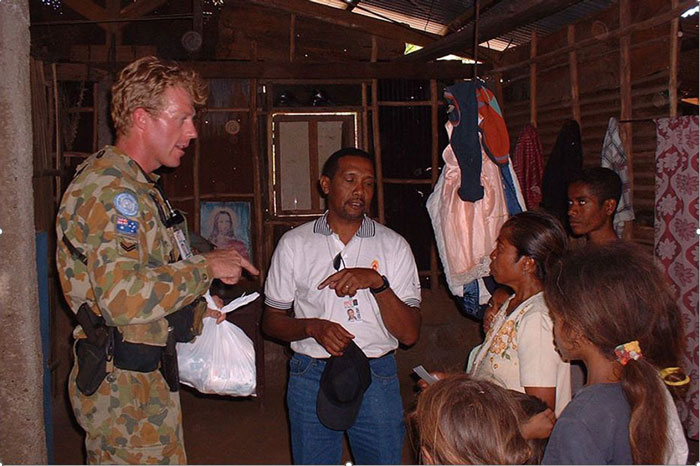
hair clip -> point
(627, 352)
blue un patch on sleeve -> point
(127, 227)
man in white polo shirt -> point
(319, 272)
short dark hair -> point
(603, 182)
(331, 165)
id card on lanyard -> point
(182, 244)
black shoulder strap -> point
(74, 251)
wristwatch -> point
(385, 285)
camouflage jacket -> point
(132, 275)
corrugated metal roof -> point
(434, 16)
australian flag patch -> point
(126, 226)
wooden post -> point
(673, 64)
(257, 179)
(435, 153)
(195, 182)
(533, 79)
(377, 149)
(292, 37)
(573, 73)
(626, 100)
(625, 84)
(365, 118)
(59, 142)
(95, 114)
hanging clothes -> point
(475, 112)
(613, 157)
(565, 161)
(676, 241)
(528, 163)
(466, 232)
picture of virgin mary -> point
(227, 225)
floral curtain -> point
(676, 238)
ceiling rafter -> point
(92, 11)
(350, 20)
(497, 21)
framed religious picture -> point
(227, 224)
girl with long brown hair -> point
(612, 309)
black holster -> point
(104, 344)
(93, 352)
(168, 364)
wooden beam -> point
(140, 8)
(379, 175)
(292, 36)
(573, 75)
(286, 70)
(504, 18)
(626, 89)
(533, 79)
(434, 166)
(347, 19)
(673, 64)
(257, 179)
(87, 9)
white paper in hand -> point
(425, 375)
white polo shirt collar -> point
(366, 230)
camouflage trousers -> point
(132, 418)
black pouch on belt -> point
(136, 357)
(93, 352)
(180, 328)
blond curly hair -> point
(141, 84)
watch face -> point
(383, 287)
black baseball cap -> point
(343, 384)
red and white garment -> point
(676, 239)
(528, 163)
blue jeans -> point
(378, 433)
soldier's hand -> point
(215, 313)
(348, 281)
(332, 336)
(228, 265)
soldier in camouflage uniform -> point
(118, 252)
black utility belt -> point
(136, 357)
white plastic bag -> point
(222, 359)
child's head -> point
(615, 294)
(530, 406)
(593, 197)
(460, 420)
(499, 296)
(607, 296)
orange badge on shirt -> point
(375, 265)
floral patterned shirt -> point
(519, 351)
